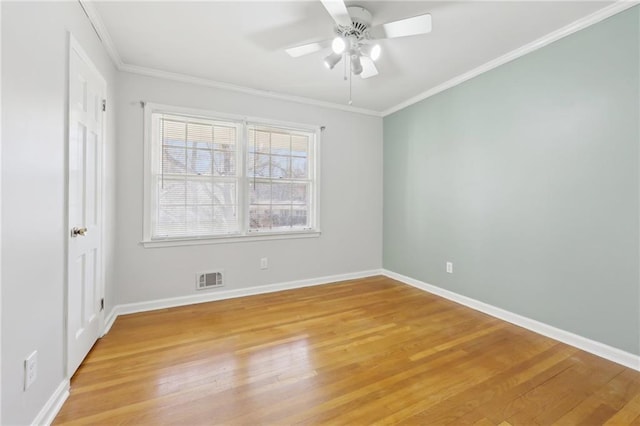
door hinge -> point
(102, 304)
(104, 105)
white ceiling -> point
(242, 43)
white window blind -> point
(209, 178)
(196, 177)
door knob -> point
(78, 231)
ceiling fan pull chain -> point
(344, 60)
(350, 84)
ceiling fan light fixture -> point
(331, 60)
(356, 65)
(375, 52)
(338, 45)
(371, 51)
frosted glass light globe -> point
(338, 45)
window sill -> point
(176, 242)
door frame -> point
(74, 45)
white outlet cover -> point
(30, 369)
(450, 267)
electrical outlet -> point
(264, 263)
(30, 369)
(450, 267)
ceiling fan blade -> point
(338, 11)
(368, 67)
(308, 48)
(420, 24)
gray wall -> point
(350, 199)
(34, 95)
(526, 178)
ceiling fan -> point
(355, 37)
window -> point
(213, 178)
(279, 180)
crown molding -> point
(103, 34)
(184, 78)
(101, 30)
(575, 26)
(594, 18)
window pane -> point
(300, 145)
(259, 193)
(260, 217)
(281, 193)
(171, 192)
(200, 220)
(199, 192)
(198, 162)
(280, 144)
(299, 168)
(224, 193)
(199, 136)
(224, 138)
(258, 165)
(171, 220)
(173, 133)
(299, 193)
(174, 160)
(224, 163)
(280, 166)
(281, 216)
(259, 141)
(225, 219)
(299, 216)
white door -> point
(87, 91)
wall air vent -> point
(205, 280)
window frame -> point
(244, 233)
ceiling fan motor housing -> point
(360, 23)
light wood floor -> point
(357, 352)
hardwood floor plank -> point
(572, 385)
(369, 351)
(484, 422)
(627, 414)
(491, 395)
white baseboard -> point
(50, 410)
(600, 349)
(131, 308)
(111, 318)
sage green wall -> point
(527, 179)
